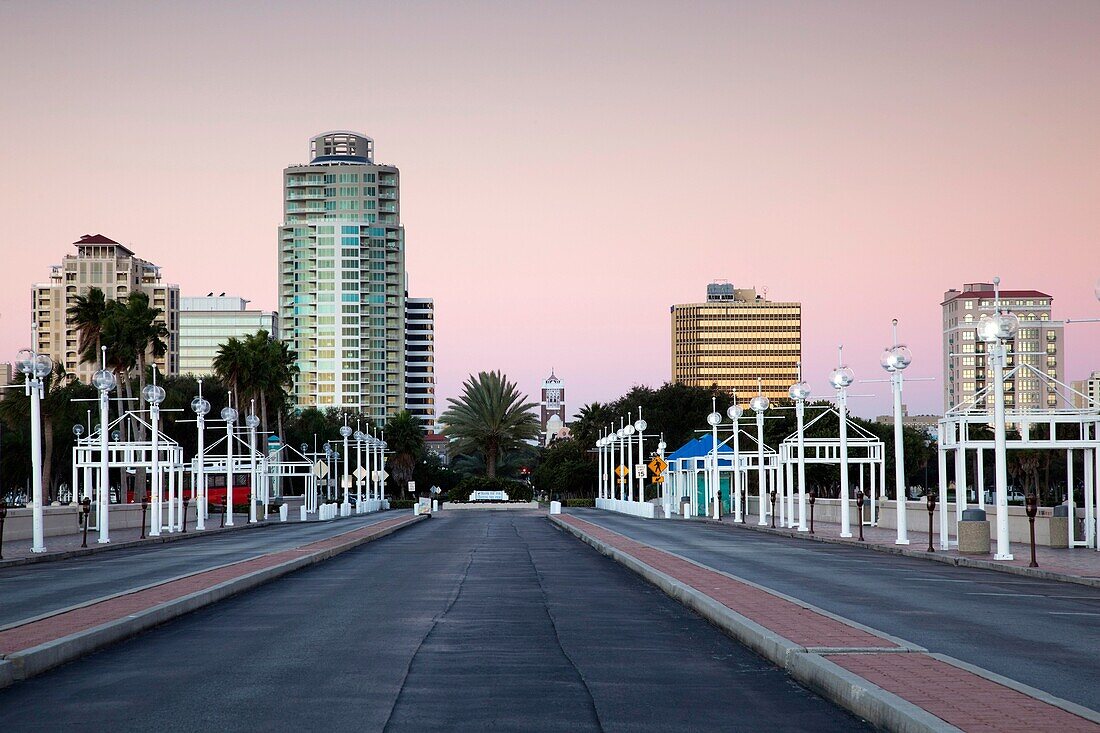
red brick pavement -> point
(87, 617)
(964, 699)
(801, 625)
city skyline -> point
(967, 151)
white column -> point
(38, 543)
(800, 415)
(760, 465)
(981, 477)
(943, 485)
(960, 472)
(104, 474)
(845, 494)
(200, 480)
(252, 469)
(738, 514)
(157, 520)
(1004, 549)
(228, 474)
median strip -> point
(889, 682)
(38, 645)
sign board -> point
(657, 465)
(345, 481)
(360, 473)
(380, 476)
(659, 479)
(622, 471)
(488, 496)
(320, 469)
(639, 470)
(412, 486)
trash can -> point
(1059, 527)
(685, 507)
(973, 533)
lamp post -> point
(760, 405)
(628, 432)
(599, 470)
(345, 478)
(621, 480)
(230, 416)
(201, 407)
(326, 448)
(714, 419)
(734, 412)
(252, 422)
(841, 378)
(104, 381)
(35, 368)
(640, 425)
(358, 435)
(995, 330)
(78, 432)
(799, 392)
(661, 445)
(894, 360)
(154, 395)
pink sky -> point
(569, 170)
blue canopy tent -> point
(688, 466)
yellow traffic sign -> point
(657, 466)
(621, 471)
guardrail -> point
(634, 508)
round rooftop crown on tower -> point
(341, 146)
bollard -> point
(86, 510)
(931, 497)
(812, 496)
(773, 508)
(186, 500)
(144, 511)
(859, 508)
(1032, 507)
(3, 516)
(224, 508)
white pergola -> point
(864, 449)
(682, 479)
(167, 458)
(955, 436)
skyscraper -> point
(420, 360)
(101, 262)
(342, 276)
(1038, 343)
(734, 338)
(207, 322)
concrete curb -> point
(35, 660)
(879, 707)
(964, 562)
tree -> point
(405, 440)
(87, 313)
(491, 418)
(232, 365)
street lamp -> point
(600, 470)
(800, 392)
(628, 431)
(664, 488)
(201, 407)
(230, 416)
(760, 404)
(345, 479)
(78, 431)
(841, 378)
(359, 437)
(252, 422)
(895, 359)
(154, 395)
(620, 480)
(714, 419)
(994, 330)
(640, 425)
(734, 412)
(104, 380)
(35, 368)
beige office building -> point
(207, 322)
(102, 263)
(734, 338)
(1038, 343)
(1089, 390)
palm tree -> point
(87, 313)
(405, 438)
(231, 364)
(490, 418)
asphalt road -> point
(469, 621)
(1042, 633)
(31, 590)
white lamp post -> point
(714, 419)
(154, 395)
(201, 407)
(104, 381)
(358, 435)
(230, 416)
(620, 480)
(760, 405)
(734, 413)
(799, 392)
(841, 378)
(252, 422)
(639, 426)
(35, 368)
(894, 360)
(599, 461)
(345, 479)
(995, 330)
(664, 484)
(628, 431)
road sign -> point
(360, 473)
(657, 465)
(412, 486)
(345, 481)
(622, 471)
(381, 476)
(660, 479)
(320, 469)
(639, 470)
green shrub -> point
(401, 503)
(579, 502)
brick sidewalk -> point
(962, 698)
(1079, 562)
(63, 624)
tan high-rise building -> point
(1089, 391)
(100, 262)
(1038, 343)
(735, 338)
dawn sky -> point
(569, 170)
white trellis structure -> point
(166, 458)
(244, 458)
(865, 450)
(682, 479)
(288, 463)
(1037, 430)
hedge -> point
(516, 490)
